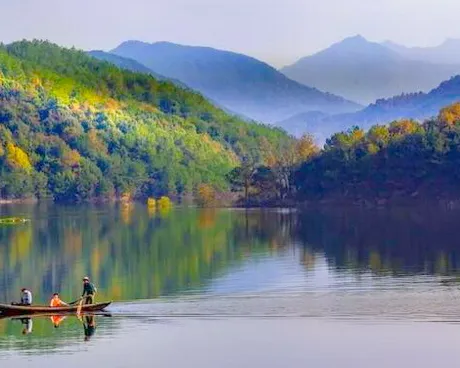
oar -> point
(79, 307)
(75, 301)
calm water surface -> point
(224, 287)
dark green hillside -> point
(404, 160)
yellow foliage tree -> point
(403, 127)
(306, 147)
(17, 158)
(267, 152)
(71, 158)
(164, 203)
(206, 195)
(379, 135)
(151, 202)
(450, 114)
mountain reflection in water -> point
(132, 254)
(398, 265)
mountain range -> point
(417, 106)
(415, 82)
(131, 65)
(365, 71)
(237, 82)
(447, 52)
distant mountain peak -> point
(365, 71)
(356, 46)
(238, 82)
(356, 39)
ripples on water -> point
(280, 287)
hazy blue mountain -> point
(365, 71)
(122, 62)
(135, 66)
(132, 65)
(413, 105)
(240, 83)
(308, 122)
(446, 53)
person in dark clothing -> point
(89, 291)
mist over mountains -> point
(390, 80)
(418, 106)
(365, 71)
(238, 82)
(446, 53)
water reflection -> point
(89, 326)
(133, 253)
(28, 325)
(396, 242)
(49, 334)
(88, 322)
(129, 253)
(372, 265)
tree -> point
(306, 148)
(206, 195)
(264, 181)
(241, 177)
(17, 158)
(450, 114)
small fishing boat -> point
(18, 310)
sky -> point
(276, 31)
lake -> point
(230, 287)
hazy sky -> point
(276, 31)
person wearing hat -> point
(89, 291)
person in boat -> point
(57, 302)
(26, 298)
(89, 291)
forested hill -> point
(400, 162)
(77, 128)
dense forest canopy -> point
(404, 159)
(76, 128)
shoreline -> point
(374, 203)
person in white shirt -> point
(26, 297)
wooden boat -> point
(18, 310)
